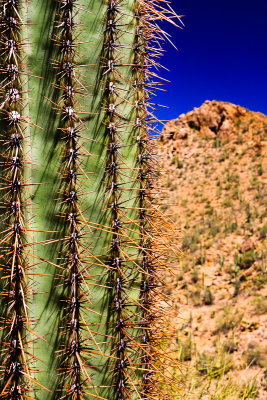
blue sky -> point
(222, 55)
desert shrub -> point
(253, 354)
(223, 156)
(260, 304)
(230, 346)
(195, 275)
(186, 349)
(196, 297)
(176, 161)
(229, 318)
(263, 231)
(190, 241)
(213, 365)
(208, 298)
(245, 260)
(201, 259)
(250, 390)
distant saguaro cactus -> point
(82, 254)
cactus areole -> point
(82, 259)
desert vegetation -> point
(218, 202)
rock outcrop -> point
(214, 119)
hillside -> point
(214, 190)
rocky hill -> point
(214, 159)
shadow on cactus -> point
(83, 242)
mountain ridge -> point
(213, 118)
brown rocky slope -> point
(215, 193)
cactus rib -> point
(15, 290)
(74, 351)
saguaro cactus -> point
(82, 255)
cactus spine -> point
(82, 250)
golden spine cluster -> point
(152, 258)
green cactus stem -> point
(83, 242)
